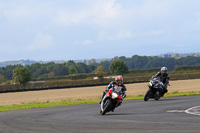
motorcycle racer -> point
(164, 78)
(118, 82)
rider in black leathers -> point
(164, 78)
(118, 82)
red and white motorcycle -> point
(111, 100)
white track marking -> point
(178, 111)
(193, 108)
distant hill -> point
(170, 55)
(21, 62)
(86, 61)
(29, 62)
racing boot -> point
(118, 104)
(164, 91)
(113, 109)
(100, 101)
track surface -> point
(134, 116)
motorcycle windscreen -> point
(117, 88)
(116, 92)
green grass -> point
(175, 94)
(47, 104)
(53, 104)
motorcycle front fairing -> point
(117, 91)
(114, 94)
(155, 84)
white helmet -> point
(163, 69)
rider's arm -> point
(167, 80)
(124, 95)
(124, 92)
(158, 74)
(109, 86)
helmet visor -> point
(119, 82)
(163, 71)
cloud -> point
(31, 25)
(154, 33)
(105, 14)
(8, 48)
(118, 35)
(121, 35)
(124, 35)
(67, 18)
(178, 46)
(85, 42)
(99, 13)
(18, 12)
(41, 42)
(143, 19)
(26, 12)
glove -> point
(123, 97)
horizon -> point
(75, 30)
(160, 55)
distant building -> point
(167, 55)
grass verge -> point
(52, 104)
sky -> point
(46, 30)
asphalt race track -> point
(167, 115)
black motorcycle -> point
(155, 89)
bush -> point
(186, 68)
(118, 67)
(21, 75)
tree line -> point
(52, 69)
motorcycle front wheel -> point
(147, 95)
(107, 106)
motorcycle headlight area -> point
(114, 95)
(151, 83)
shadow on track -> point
(165, 99)
(169, 99)
(134, 113)
(118, 114)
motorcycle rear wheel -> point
(157, 95)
